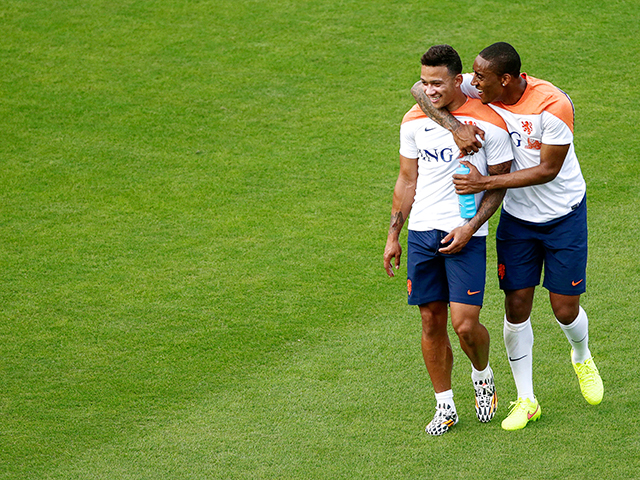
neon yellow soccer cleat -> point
(590, 381)
(522, 412)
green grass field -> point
(194, 199)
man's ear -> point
(506, 79)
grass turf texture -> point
(194, 204)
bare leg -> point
(518, 304)
(565, 307)
(436, 348)
(474, 337)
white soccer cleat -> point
(443, 420)
(486, 399)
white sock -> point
(445, 400)
(577, 333)
(477, 375)
(518, 340)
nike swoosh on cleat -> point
(516, 359)
(530, 416)
(575, 284)
(469, 292)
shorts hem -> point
(467, 302)
(423, 302)
(510, 287)
(568, 292)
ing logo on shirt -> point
(530, 144)
(516, 138)
(445, 155)
(470, 122)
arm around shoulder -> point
(464, 135)
(551, 161)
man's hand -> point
(465, 136)
(392, 250)
(472, 182)
(460, 236)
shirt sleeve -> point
(408, 147)
(466, 87)
(497, 145)
(555, 131)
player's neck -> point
(515, 91)
(458, 101)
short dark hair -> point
(443, 55)
(503, 59)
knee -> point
(565, 307)
(566, 313)
(434, 322)
(466, 331)
(431, 329)
(518, 307)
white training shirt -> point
(544, 114)
(435, 205)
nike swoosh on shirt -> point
(429, 129)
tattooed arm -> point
(488, 206)
(463, 134)
(551, 161)
(403, 195)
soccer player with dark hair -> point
(447, 254)
(543, 220)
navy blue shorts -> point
(560, 245)
(433, 276)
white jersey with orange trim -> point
(435, 205)
(544, 114)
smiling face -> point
(489, 84)
(441, 87)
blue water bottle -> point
(467, 202)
